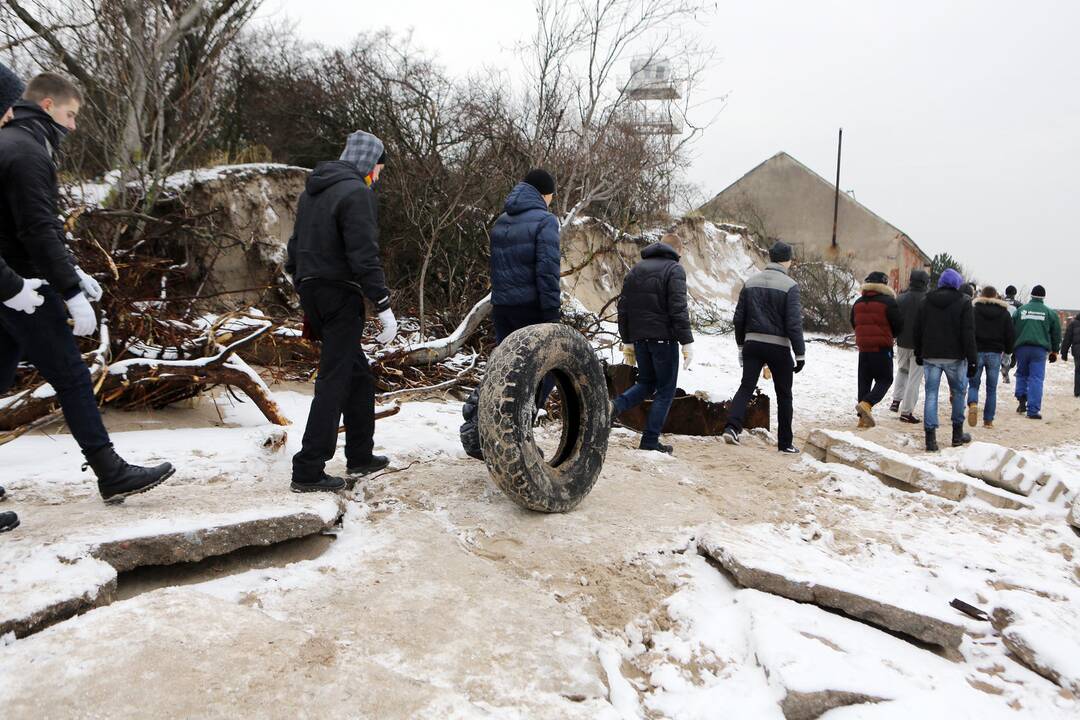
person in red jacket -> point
(877, 321)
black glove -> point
(799, 365)
(972, 369)
(918, 361)
(1053, 357)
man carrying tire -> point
(653, 322)
(525, 277)
(768, 329)
(334, 262)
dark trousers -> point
(509, 319)
(344, 386)
(658, 372)
(875, 376)
(45, 339)
(777, 358)
(1076, 375)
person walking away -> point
(1038, 337)
(333, 259)
(768, 329)
(653, 322)
(994, 337)
(877, 321)
(945, 345)
(525, 278)
(1070, 343)
(1009, 361)
(32, 246)
(909, 376)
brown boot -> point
(973, 414)
(866, 414)
(988, 424)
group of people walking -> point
(970, 338)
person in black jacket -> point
(653, 322)
(768, 329)
(1008, 361)
(1070, 343)
(945, 345)
(909, 376)
(994, 336)
(32, 246)
(877, 320)
(333, 259)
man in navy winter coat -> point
(768, 330)
(653, 322)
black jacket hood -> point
(920, 280)
(330, 173)
(522, 198)
(946, 296)
(660, 250)
(31, 118)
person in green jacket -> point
(1038, 336)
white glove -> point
(90, 287)
(389, 327)
(687, 355)
(28, 299)
(83, 315)
(629, 355)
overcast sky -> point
(961, 119)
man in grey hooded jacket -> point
(909, 376)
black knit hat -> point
(11, 88)
(1010, 291)
(780, 252)
(1038, 292)
(877, 278)
(542, 180)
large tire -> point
(508, 405)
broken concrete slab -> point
(65, 559)
(988, 461)
(864, 586)
(1074, 513)
(899, 470)
(1043, 633)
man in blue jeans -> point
(653, 322)
(994, 338)
(945, 345)
(1038, 335)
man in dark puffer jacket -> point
(525, 278)
(994, 336)
(1070, 343)
(653, 322)
(877, 321)
(768, 329)
(909, 376)
(945, 345)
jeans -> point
(875, 376)
(909, 380)
(45, 340)
(658, 371)
(1030, 373)
(509, 319)
(990, 362)
(757, 355)
(344, 386)
(956, 373)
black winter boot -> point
(3, 492)
(376, 463)
(8, 521)
(959, 437)
(323, 483)
(931, 441)
(117, 479)
(1022, 406)
(658, 447)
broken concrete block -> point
(986, 461)
(863, 586)
(1074, 512)
(1043, 632)
(899, 470)
(48, 584)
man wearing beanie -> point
(525, 277)
(768, 330)
(333, 259)
(877, 321)
(1008, 361)
(909, 376)
(1038, 336)
(945, 345)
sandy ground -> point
(440, 598)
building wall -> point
(788, 201)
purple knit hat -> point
(950, 278)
